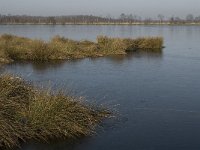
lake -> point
(156, 95)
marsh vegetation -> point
(14, 48)
(27, 112)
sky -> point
(113, 8)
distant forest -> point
(90, 19)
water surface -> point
(156, 94)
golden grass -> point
(20, 48)
(30, 113)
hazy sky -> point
(144, 8)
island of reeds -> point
(13, 48)
(29, 113)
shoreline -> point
(126, 23)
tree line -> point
(90, 19)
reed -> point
(20, 48)
(27, 112)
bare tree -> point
(130, 18)
(197, 19)
(161, 18)
(172, 20)
(123, 17)
(189, 18)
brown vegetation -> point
(30, 113)
(59, 48)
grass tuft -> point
(30, 113)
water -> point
(156, 94)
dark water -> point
(156, 94)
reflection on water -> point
(43, 66)
(1, 68)
(157, 94)
(133, 55)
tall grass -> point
(20, 48)
(30, 113)
(111, 45)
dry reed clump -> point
(3, 57)
(19, 48)
(111, 45)
(117, 45)
(150, 43)
(28, 113)
(13, 48)
(40, 50)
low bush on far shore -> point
(59, 48)
(27, 112)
